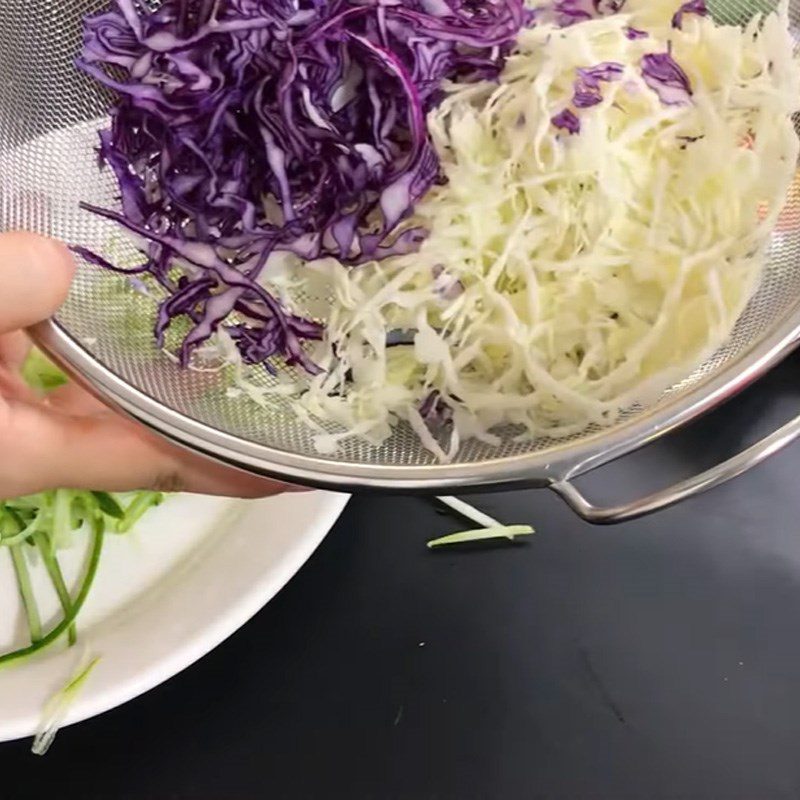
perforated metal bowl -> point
(49, 115)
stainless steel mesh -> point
(49, 115)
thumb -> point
(45, 448)
(35, 273)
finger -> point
(74, 399)
(13, 387)
(35, 274)
(45, 449)
(14, 349)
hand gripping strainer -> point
(49, 116)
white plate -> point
(194, 571)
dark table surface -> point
(658, 659)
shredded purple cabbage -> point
(446, 285)
(666, 78)
(569, 12)
(245, 127)
(436, 411)
(635, 33)
(567, 120)
(606, 7)
(587, 86)
(692, 7)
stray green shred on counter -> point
(491, 528)
(509, 532)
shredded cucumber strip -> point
(54, 571)
(509, 532)
(96, 548)
(26, 593)
(492, 529)
(59, 705)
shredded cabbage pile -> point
(570, 274)
(242, 128)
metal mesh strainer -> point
(49, 115)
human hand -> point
(69, 439)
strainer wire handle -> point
(716, 476)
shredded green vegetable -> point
(56, 709)
(41, 374)
(26, 593)
(36, 645)
(54, 571)
(509, 532)
(492, 530)
(48, 521)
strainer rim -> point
(558, 462)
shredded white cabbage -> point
(567, 277)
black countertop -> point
(658, 659)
